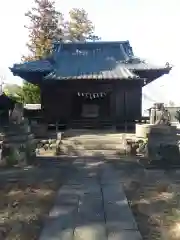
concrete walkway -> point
(91, 206)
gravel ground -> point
(26, 198)
(154, 197)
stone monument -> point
(159, 115)
(17, 113)
(18, 146)
(161, 138)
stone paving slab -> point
(91, 208)
(60, 227)
(61, 222)
(108, 175)
(124, 235)
(117, 210)
(114, 193)
(85, 181)
(91, 232)
(89, 223)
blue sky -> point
(149, 25)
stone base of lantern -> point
(18, 146)
(162, 142)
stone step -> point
(89, 137)
(92, 146)
(82, 135)
(91, 140)
(99, 153)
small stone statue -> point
(162, 116)
(177, 116)
(159, 115)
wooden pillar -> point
(125, 110)
(119, 104)
(113, 106)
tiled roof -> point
(123, 46)
(97, 60)
(33, 66)
(117, 73)
(100, 60)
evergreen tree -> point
(31, 93)
(46, 26)
(80, 28)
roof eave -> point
(31, 77)
(53, 78)
(44, 66)
(152, 74)
(165, 69)
(18, 72)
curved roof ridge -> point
(91, 42)
(59, 46)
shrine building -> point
(93, 84)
